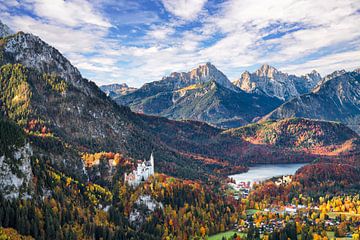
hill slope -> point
(297, 133)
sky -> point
(138, 41)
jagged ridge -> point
(272, 82)
(203, 94)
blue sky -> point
(137, 41)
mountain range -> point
(55, 124)
(205, 94)
(47, 96)
(202, 94)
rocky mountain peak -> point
(266, 71)
(5, 30)
(207, 72)
(203, 71)
(244, 82)
(274, 83)
(314, 72)
(202, 74)
(312, 79)
(30, 51)
(336, 98)
(313, 75)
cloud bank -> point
(140, 41)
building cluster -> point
(284, 180)
(264, 227)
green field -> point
(331, 235)
(251, 211)
(226, 234)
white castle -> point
(144, 170)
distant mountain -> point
(116, 90)
(4, 30)
(336, 98)
(274, 83)
(203, 94)
(218, 105)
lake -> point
(263, 172)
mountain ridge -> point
(199, 95)
(115, 89)
(335, 99)
(275, 83)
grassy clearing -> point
(251, 211)
(226, 234)
(331, 235)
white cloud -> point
(67, 40)
(71, 13)
(186, 9)
(161, 33)
(348, 60)
(231, 38)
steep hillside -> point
(272, 82)
(203, 94)
(15, 157)
(335, 99)
(342, 173)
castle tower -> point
(152, 164)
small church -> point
(144, 170)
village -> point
(241, 189)
(268, 221)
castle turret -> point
(152, 167)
